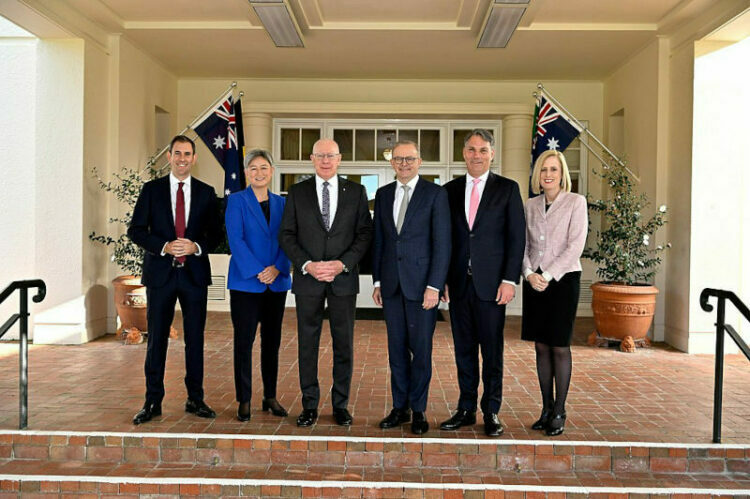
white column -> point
(516, 150)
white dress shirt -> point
(333, 195)
(174, 186)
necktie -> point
(474, 202)
(402, 209)
(326, 208)
(179, 216)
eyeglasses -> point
(331, 156)
(409, 160)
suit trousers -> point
(410, 332)
(478, 324)
(160, 313)
(247, 310)
(309, 324)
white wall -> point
(721, 198)
(17, 145)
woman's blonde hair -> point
(565, 182)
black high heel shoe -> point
(556, 425)
(275, 408)
(243, 411)
(543, 420)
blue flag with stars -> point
(218, 130)
(552, 130)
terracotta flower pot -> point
(130, 302)
(621, 310)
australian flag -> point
(552, 129)
(218, 130)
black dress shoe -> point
(275, 408)
(397, 417)
(541, 423)
(307, 417)
(199, 408)
(556, 425)
(342, 417)
(492, 425)
(147, 413)
(243, 411)
(462, 417)
(419, 424)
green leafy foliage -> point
(126, 187)
(623, 251)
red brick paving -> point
(654, 395)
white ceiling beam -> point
(189, 25)
(391, 26)
(590, 27)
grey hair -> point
(407, 142)
(258, 153)
(484, 134)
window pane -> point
(365, 145)
(344, 139)
(386, 140)
(309, 137)
(458, 144)
(429, 145)
(435, 179)
(412, 135)
(289, 179)
(290, 143)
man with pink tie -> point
(488, 240)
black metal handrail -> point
(721, 328)
(23, 315)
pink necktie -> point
(474, 202)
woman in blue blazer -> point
(259, 278)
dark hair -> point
(484, 134)
(257, 153)
(183, 139)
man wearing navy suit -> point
(176, 221)
(488, 237)
(325, 231)
(411, 253)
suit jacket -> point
(303, 236)
(419, 256)
(152, 226)
(255, 243)
(555, 238)
(496, 242)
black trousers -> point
(160, 313)
(478, 324)
(410, 332)
(309, 324)
(249, 309)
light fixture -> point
(279, 22)
(502, 20)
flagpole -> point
(588, 132)
(152, 160)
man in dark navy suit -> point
(411, 253)
(489, 238)
(176, 221)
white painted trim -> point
(317, 438)
(371, 485)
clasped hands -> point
(505, 294)
(181, 247)
(430, 299)
(268, 275)
(325, 271)
(537, 282)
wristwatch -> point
(345, 269)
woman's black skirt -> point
(548, 316)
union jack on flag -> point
(218, 130)
(552, 129)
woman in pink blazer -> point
(556, 228)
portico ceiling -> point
(556, 39)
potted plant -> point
(129, 294)
(624, 300)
